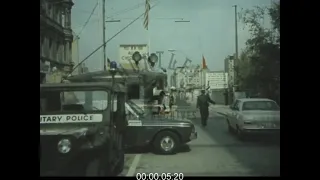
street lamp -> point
(153, 59)
(136, 56)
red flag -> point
(204, 64)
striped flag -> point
(146, 15)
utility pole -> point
(104, 34)
(159, 55)
(236, 60)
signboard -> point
(125, 55)
(70, 118)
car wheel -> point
(239, 134)
(166, 142)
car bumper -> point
(261, 131)
(193, 136)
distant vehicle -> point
(81, 129)
(254, 116)
(164, 135)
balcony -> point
(46, 21)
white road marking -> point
(134, 165)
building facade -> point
(55, 40)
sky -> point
(210, 32)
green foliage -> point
(259, 63)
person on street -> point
(203, 104)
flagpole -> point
(149, 41)
(148, 33)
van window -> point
(53, 101)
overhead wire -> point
(124, 28)
(124, 11)
(88, 20)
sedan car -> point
(164, 135)
(254, 116)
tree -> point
(259, 63)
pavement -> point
(216, 152)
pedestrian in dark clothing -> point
(203, 104)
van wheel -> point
(166, 142)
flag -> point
(204, 64)
(146, 15)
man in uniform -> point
(203, 104)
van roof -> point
(117, 87)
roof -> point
(254, 99)
(114, 87)
(129, 76)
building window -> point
(57, 15)
(41, 39)
(49, 12)
(63, 18)
(50, 48)
(58, 52)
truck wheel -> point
(119, 167)
(166, 142)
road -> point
(216, 152)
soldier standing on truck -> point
(203, 104)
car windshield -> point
(260, 105)
(53, 101)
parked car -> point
(254, 116)
(164, 135)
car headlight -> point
(64, 146)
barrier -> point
(186, 111)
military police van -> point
(81, 129)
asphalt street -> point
(216, 152)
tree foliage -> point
(259, 64)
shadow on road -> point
(141, 150)
(260, 154)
